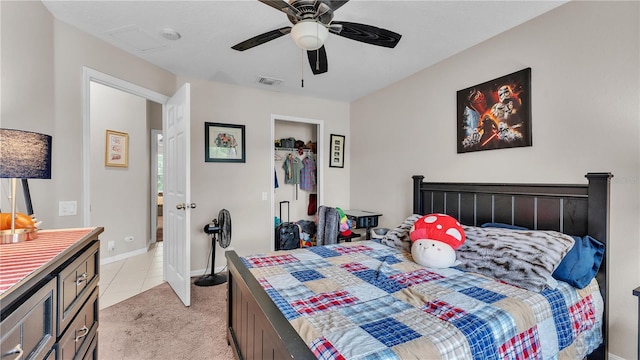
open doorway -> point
(301, 203)
(120, 195)
(176, 116)
(117, 198)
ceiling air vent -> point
(269, 81)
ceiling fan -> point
(312, 21)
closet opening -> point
(297, 180)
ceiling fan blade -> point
(283, 6)
(335, 28)
(322, 9)
(368, 34)
(335, 4)
(318, 60)
(261, 39)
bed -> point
(260, 326)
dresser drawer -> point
(30, 328)
(75, 284)
(92, 351)
(78, 337)
(52, 355)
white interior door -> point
(177, 205)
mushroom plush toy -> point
(435, 239)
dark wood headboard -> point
(574, 209)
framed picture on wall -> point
(223, 142)
(495, 114)
(116, 149)
(336, 151)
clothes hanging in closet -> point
(292, 166)
(312, 208)
(308, 174)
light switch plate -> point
(67, 208)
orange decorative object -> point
(23, 221)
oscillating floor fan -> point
(220, 231)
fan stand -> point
(212, 279)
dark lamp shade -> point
(24, 155)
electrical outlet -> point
(111, 245)
(128, 238)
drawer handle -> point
(86, 331)
(81, 278)
(16, 350)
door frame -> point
(89, 75)
(319, 161)
(154, 183)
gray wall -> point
(585, 116)
(42, 91)
(27, 102)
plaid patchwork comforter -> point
(365, 300)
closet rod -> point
(291, 149)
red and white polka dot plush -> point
(435, 237)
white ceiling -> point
(431, 31)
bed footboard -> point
(256, 329)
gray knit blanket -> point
(523, 258)
(328, 226)
(399, 237)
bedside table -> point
(364, 220)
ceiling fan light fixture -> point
(309, 34)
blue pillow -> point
(503, 226)
(581, 263)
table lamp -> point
(23, 155)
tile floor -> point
(123, 279)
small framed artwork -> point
(495, 114)
(336, 151)
(223, 143)
(116, 149)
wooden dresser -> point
(49, 296)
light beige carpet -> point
(156, 325)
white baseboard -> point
(614, 357)
(201, 272)
(126, 255)
(194, 273)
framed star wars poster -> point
(495, 114)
